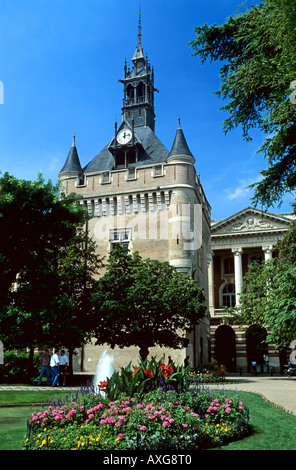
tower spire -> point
(140, 29)
(139, 55)
(138, 100)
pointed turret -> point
(72, 165)
(180, 150)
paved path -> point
(278, 390)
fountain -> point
(105, 368)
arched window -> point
(130, 93)
(228, 296)
(140, 92)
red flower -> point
(102, 384)
(135, 370)
(168, 370)
(148, 373)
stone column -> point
(210, 262)
(267, 252)
(238, 273)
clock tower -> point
(147, 198)
(138, 89)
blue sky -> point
(60, 62)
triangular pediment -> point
(250, 221)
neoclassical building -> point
(245, 237)
(147, 198)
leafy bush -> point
(16, 367)
(152, 374)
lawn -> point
(273, 429)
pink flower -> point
(228, 409)
(185, 425)
(165, 423)
(143, 428)
(120, 435)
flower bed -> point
(195, 418)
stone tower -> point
(147, 198)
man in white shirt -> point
(64, 362)
(55, 371)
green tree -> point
(47, 265)
(268, 296)
(51, 301)
(257, 284)
(281, 310)
(32, 220)
(144, 303)
(257, 51)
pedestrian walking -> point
(44, 367)
(55, 371)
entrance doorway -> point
(226, 347)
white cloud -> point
(241, 191)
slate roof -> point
(180, 146)
(154, 152)
(72, 163)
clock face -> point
(124, 136)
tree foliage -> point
(257, 51)
(144, 303)
(32, 220)
(268, 296)
(49, 266)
